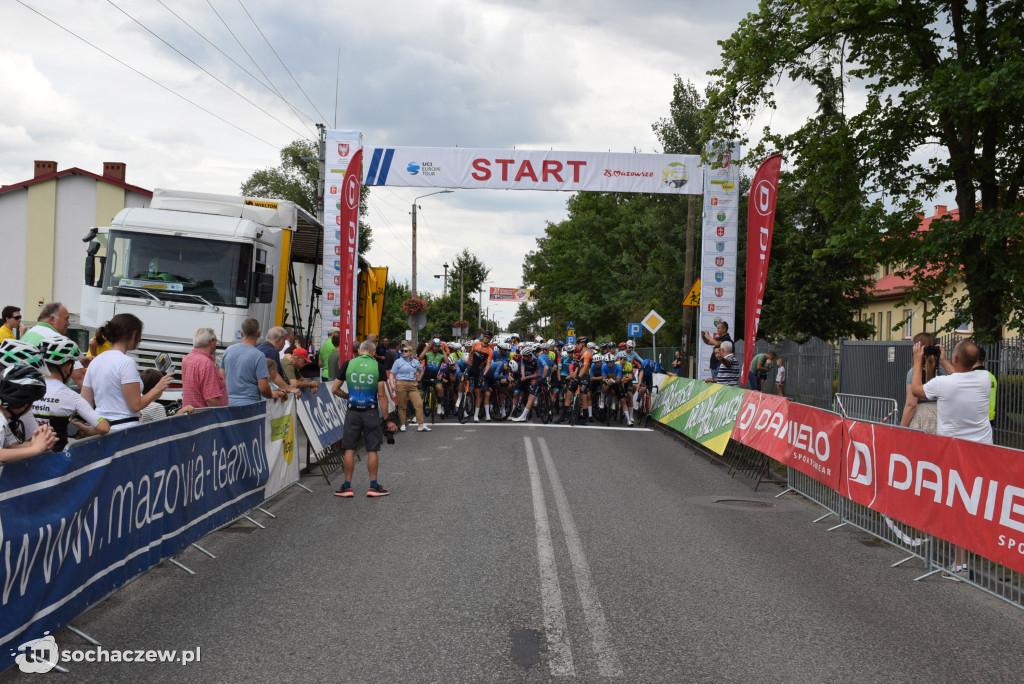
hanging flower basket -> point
(413, 306)
(460, 324)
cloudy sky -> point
(579, 75)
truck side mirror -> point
(90, 263)
(263, 288)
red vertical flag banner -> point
(760, 223)
(349, 253)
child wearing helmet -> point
(62, 409)
(20, 435)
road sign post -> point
(653, 322)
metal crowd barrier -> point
(871, 409)
(939, 556)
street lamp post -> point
(416, 333)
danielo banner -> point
(760, 224)
(476, 168)
(342, 169)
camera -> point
(932, 350)
(389, 437)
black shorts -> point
(595, 384)
(475, 376)
(537, 385)
(362, 424)
(429, 375)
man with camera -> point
(962, 396)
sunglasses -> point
(17, 318)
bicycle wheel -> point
(432, 403)
(574, 409)
(466, 409)
(501, 406)
(541, 408)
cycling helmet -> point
(58, 350)
(514, 336)
(436, 341)
(550, 343)
(20, 386)
(622, 345)
(560, 343)
(591, 346)
(582, 340)
(17, 352)
(452, 359)
(621, 356)
(455, 346)
(513, 367)
(504, 346)
(565, 354)
(630, 344)
(487, 333)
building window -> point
(908, 324)
(888, 325)
(964, 322)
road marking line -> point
(600, 636)
(541, 425)
(560, 653)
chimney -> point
(45, 168)
(114, 170)
(940, 210)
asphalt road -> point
(511, 553)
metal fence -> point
(810, 370)
(879, 369)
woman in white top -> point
(112, 383)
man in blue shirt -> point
(245, 369)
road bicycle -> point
(542, 404)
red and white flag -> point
(760, 223)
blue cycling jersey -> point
(496, 371)
(563, 367)
(546, 365)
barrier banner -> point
(969, 494)
(706, 413)
(322, 415)
(77, 524)
(280, 441)
(474, 168)
(801, 437)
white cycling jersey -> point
(59, 406)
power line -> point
(322, 117)
(269, 88)
(148, 78)
(201, 68)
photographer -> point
(720, 337)
(961, 397)
(920, 413)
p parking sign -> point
(570, 339)
(633, 330)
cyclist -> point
(579, 378)
(529, 371)
(448, 376)
(20, 435)
(479, 363)
(62, 408)
(645, 380)
(497, 374)
(431, 358)
(626, 386)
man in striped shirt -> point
(729, 370)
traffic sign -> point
(569, 325)
(653, 322)
(693, 296)
(633, 330)
(571, 333)
(570, 339)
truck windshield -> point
(178, 269)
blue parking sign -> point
(570, 339)
(633, 330)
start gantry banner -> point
(478, 168)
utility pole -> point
(445, 290)
(415, 332)
(462, 295)
(691, 229)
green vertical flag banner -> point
(706, 413)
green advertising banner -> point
(706, 413)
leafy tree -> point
(944, 77)
(296, 180)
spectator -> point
(408, 371)
(919, 413)
(759, 368)
(20, 435)
(99, 342)
(980, 366)
(330, 344)
(64, 410)
(362, 420)
(202, 383)
(729, 367)
(271, 348)
(289, 342)
(962, 399)
(382, 350)
(112, 383)
(392, 355)
(156, 411)
(12, 327)
(720, 337)
(53, 321)
(245, 369)
(677, 363)
(780, 376)
(293, 364)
